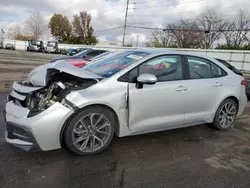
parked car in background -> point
(85, 55)
(1, 44)
(35, 46)
(52, 47)
(133, 92)
(81, 62)
(10, 46)
(231, 67)
(69, 51)
(73, 51)
(77, 50)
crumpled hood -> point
(42, 74)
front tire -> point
(225, 115)
(90, 131)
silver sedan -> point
(128, 93)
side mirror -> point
(149, 79)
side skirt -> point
(164, 128)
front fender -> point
(116, 100)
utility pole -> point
(137, 40)
(206, 33)
(1, 42)
(125, 24)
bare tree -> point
(35, 25)
(186, 34)
(15, 31)
(212, 23)
(236, 31)
(161, 38)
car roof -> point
(156, 51)
(152, 51)
(99, 50)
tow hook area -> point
(70, 105)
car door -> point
(159, 105)
(206, 81)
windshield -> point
(36, 43)
(80, 53)
(109, 66)
(52, 44)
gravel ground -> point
(198, 156)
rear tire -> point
(225, 115)
(90, 131)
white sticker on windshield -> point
(137, 57)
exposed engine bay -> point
(59, 85)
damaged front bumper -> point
(20, 137)
(37, 109)
(40, 132)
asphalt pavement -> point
(198, 156)
(15, 65)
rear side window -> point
(217, 71)
(200, 68)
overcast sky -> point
(110, 13)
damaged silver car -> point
(129, 93)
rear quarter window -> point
(201, 68)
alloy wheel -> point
(227, 114)
(91, 132)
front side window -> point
(200, 68)
(165, 68)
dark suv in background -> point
(231, 67)
(85, 55)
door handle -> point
(181, 88)
(217, 84)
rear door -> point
(205, 86)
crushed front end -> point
(35, 114)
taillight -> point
(244, 82)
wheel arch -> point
(233, 97)
(117, 123)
